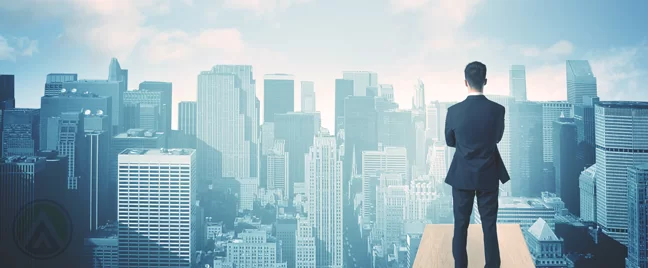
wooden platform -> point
(435, 250)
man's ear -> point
(485, 80)
(466, 83)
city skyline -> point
(156, 49)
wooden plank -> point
(435, 250)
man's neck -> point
(474, 93)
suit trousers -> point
(487, 204)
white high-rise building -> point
(305, 244)
(387, 92)
(249, 191)
(267, 137)
(421, 151)
(517, 82)
(278, 168)
(361, 80)
(222, 148)
(156, 199)
(621, 142)
(395, 209)
(253, 249)
(551, 111)
(308, 103)
(432, 118)
(436, 159)
(389, 160)
(420, 198)
(324, 174)
(386, 181)
(504, 145)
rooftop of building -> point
(139, 133)
(521, 202)
(580, 67)
(94, 81)
(109, 230)
(162, 151)
(643, 167)
(21, 159)
(541, 231)
(73, 93)
(624, 104)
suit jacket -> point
(474, 127)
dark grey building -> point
(526, 156)
(71, 143)
(278, 95)
(7, 91)
(286, 231)
(566, 168)
(298, 131)
(396, 129)
(343, 88)
(54, 83)
(102, 196)
(106, 88)
(20, 132)
(360, 131)
(584, 119)
(53, 106)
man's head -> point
(475, 73)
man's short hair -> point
(476, 75)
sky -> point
(315, 40)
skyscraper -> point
(54, 83)
(361, 80)
(418, 100)
(526, 154)
(164, 236)
(396, 129)
(551, 111)
(584, 119)
(102, 88)
(581, 81)
(278, 95)
(7, 91)
(505, 145)
(187, 117)
(325, 201)
(117, 74)
(621, 142)
(222, 147)
(278, 172)
(71, 143)
(165, 105)
(517, 82)
(298, 131)
(565, 164)
(387, 92)
(132, 138)
(343, 89)
(637, 216)
(388, 160)
(102, 200)
(360, 131)
(20, 132)
(308, 103)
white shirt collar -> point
(475, 93)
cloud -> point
(13, 47)
(560, 48)
(261, 7)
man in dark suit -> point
(474, 127)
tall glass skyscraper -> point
(517, 82)
(361, 80)
(343, 89)
(621, 142)
(278, 95)
(7, 91)
(581, 81)
(566, 168)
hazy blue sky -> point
(316, 40)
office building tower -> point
(387, 193)
(249, 189)
(305, 253)
(308, 103)
(101, 88)
(545, 247)
(395, 204)
(565, 164)
(251, 110)
(278, 95)
(254, 248)
(297, 131)
(7, 92)
(20, 132)
(222, 148)
(71, 143)
(389, 160)
(117, 74)
(97, 129)
(505, 145)
(286, 232)
(267, 138)
(103, 246)
(432, 121)
(187, 117)
(54, 83)
(587, 186)
(133, 138)
(584, 119)
(387, 92)
(418, 100)
(517, 82)
(551, 111)
(325, 200)
(521, 210)
(637, 216)
(146, 110)
(360, 131)
(361, 80)
(278, 171)
(581, 81)
(396, 129)
(53, 106)
(164, 236)
(526, 155)
(621, 142)
(343, 89)
(166, 99)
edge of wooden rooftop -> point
(435, 250)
